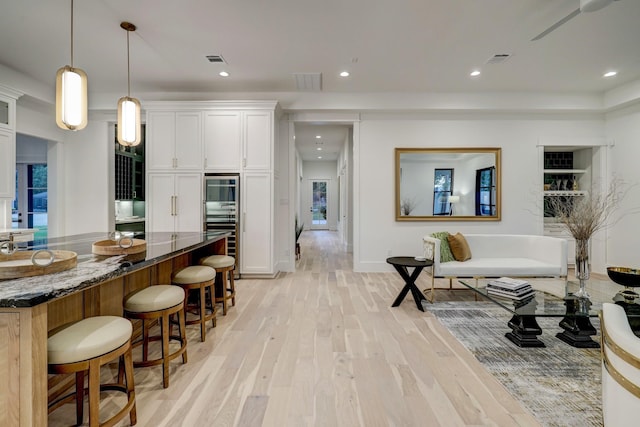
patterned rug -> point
(559, 384)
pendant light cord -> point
(128, 69)
(71, 33)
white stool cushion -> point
(154, 298)
(88, 339)
(218, 261)
(194, 274)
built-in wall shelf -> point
(565, 193)
(564, 171)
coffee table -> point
(555, 298)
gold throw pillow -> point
(459, 247)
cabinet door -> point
(188, 141)
(256, 225)
(161, 136)
(188, 207)
(160, 203)
(222, 141)
(258, 140)
(7, 165)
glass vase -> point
(582, 267)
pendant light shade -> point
(71, 94)
(129, 121)
(129, 127)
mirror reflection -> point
(436, 184)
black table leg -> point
(576, 324)
(524, 331)
(410, 285)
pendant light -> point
(128, 107)
(71, 94)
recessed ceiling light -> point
(319, 157)
(610, 74)
(318, 136)
(224, 74)
(319, 148)
(344, 74)
(475, 73)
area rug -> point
(559, 384)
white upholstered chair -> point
(620, 368)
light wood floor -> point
(323, 347)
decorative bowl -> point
(625, 276)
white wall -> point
(623, 238)
(378, 235)
(87, 172)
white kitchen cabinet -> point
(222, 141)
(258, 140)
(174, 202)
(8, 164)
(257, 224)
(236, 140)
(174, 140)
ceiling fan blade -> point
(557, 24)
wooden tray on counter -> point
(19, 264)
(111, 247)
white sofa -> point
(620, 368)
(497, 255)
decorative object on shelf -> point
(128, 108)
(583, 217)
(574, 184)
(71, 94)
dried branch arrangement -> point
(583, 216)
(407, 205)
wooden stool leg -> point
(182, 329)
(203, 311)
(94, 393)
(212, 301)
(232, 287)
(223, 277)
(145, 340)
(164, 331)
(79, 397)
(131, 394)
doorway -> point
(30, 207)
(319, 197)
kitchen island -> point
(30, 307)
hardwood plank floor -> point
(322, 347)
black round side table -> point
(401, 263)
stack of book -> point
(510, 288)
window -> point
(486, 191)
(442, 189)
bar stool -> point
(224, 265)
(158, 302)
(87, 345)
(202, 278)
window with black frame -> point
(442, 189)
(486, 191)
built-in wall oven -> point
(221, 210)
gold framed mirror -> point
(448, 184)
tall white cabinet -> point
(224, 137)
(174, 202)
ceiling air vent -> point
(498, 58)
(215, 58)
(308, 82)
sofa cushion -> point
(459, 247)
(497, 267)
(445, 250)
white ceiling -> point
(400, 46)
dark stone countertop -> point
(92, 269)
